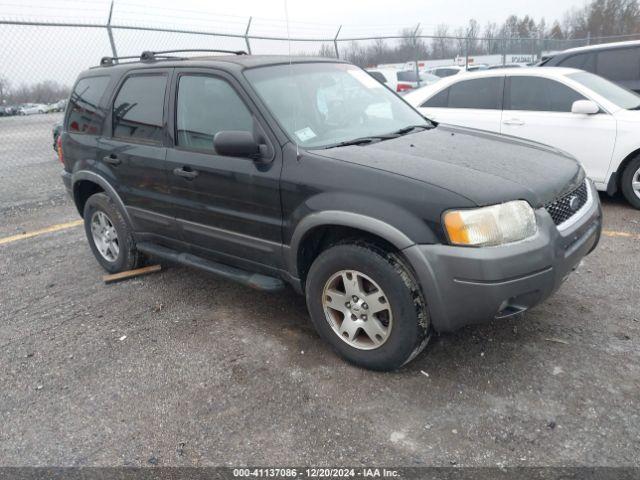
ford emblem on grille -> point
(574, 203)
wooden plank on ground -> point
(117, 277)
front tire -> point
(110, 238)
(366, 304)
(630, 182)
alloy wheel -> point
(357, 309)
(635, 183)
(105, 236)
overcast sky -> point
(32, 54)
(388, 15)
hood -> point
(485, 168)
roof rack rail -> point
(150, 56)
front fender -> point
(390, 222)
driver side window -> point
(538, 94)
(205, 106)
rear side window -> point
(619, 64)
(378, 76)
(439, 100)
(206, 106)
(138, 108)
(481, 93)
(445, 72)
(582, 61)
(407, 76)
(85, 116)
(540, 95)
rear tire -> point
(110, 238)
(366, 304)
(630, 182)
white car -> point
(589, 117)
(446, 71)
(32, 109)
(401, 80)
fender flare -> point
(343, 219)
(106, 186)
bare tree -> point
(491, 32)
(441, 46)
(327, 50)
(43, 92)
(472, 33)
(5, 87)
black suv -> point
(618, 62)
(274, 170)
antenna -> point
(293, 104)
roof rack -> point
(149, 56)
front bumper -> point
(465, 285)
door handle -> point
(186, 172)
(514, 122)
(112, 159)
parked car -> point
(10, 110)
(32, 109)
(312, 173)
(508, 65)
(588, 116)
(58, 106)
(55, 131)
(401, 80)
(478, 67)
(618, 62)
(447, 71)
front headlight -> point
(494, 225)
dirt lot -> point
(180, 368)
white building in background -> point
(509, 58)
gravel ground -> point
(29, 169)
(180, 368)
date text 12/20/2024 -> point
(315, 473)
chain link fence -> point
(40, 60)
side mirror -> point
(234, 143)
(585, 107)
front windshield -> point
(620, 96)
(324, 104)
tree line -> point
(589, 24)
(47, 91)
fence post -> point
(415, 52)
(533, 48)
(335, 41)
(114, 52)
(246, 36)
(466, 52)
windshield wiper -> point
(363, 140)
(355, 141)
(410, 128)
(378, 138)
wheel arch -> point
(318, 230)
(616, 185)
(85, 183)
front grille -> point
(561, 211)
